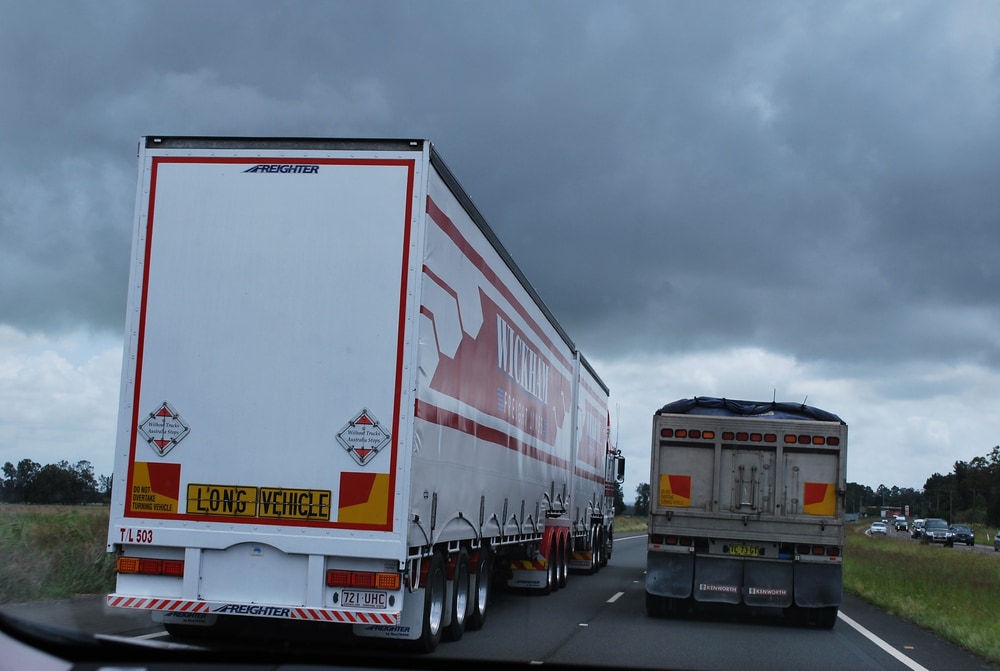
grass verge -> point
(53, 552)
(629, 524)
(953, 593)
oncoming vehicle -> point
(900, 523)
(918, 528)
(877, 528)
(936, 531)
(961, 533)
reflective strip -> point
(345, 617)
(173, 605)
(310, 614)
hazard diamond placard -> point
(363, 437)
(163, 428)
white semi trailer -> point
(341, 401)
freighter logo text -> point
(284, 167)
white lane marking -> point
(616, 597)
(628, 538)
(861, 630)
(903, 659)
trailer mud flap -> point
(718, 580)
(767, 584)
(669, 574)
(818, 585)
(410, 621)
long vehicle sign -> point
(269, 502)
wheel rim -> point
(482, 589)
(481, 586)
(461, 595)
(436, 612)
(553, 570)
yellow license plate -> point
(744, 550)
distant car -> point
(877, 528)
(918, 527)
(960, 533)
(996, 541)
(900, 523)
(936, 531)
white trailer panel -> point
(267, 346)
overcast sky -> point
(796, 200)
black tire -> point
(598, 548)
(482, 583)
(825, 618)
(595, 560)
(460, 597)
(609, 544)
(563, 564)
(552, 571)
(434, 595)
(656, 606)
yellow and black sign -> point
(294, 504)
(744, 550)
(269, 502)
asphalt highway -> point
(600, 621)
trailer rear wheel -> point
(551, 570)
(657, 606)
(595, 558)
(825, 618)
(434, 595)
(599, 549)
(608, 546)
(482, 582)
(563, 563)
(459, 597)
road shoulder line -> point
(900, 657)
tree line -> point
(969, 494)
(61, 483)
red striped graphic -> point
(310, 614)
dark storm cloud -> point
(815, 178)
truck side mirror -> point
(620, 465)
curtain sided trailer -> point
(341, 401)
(747, 507)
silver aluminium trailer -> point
(747, 507)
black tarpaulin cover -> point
(727, 407)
